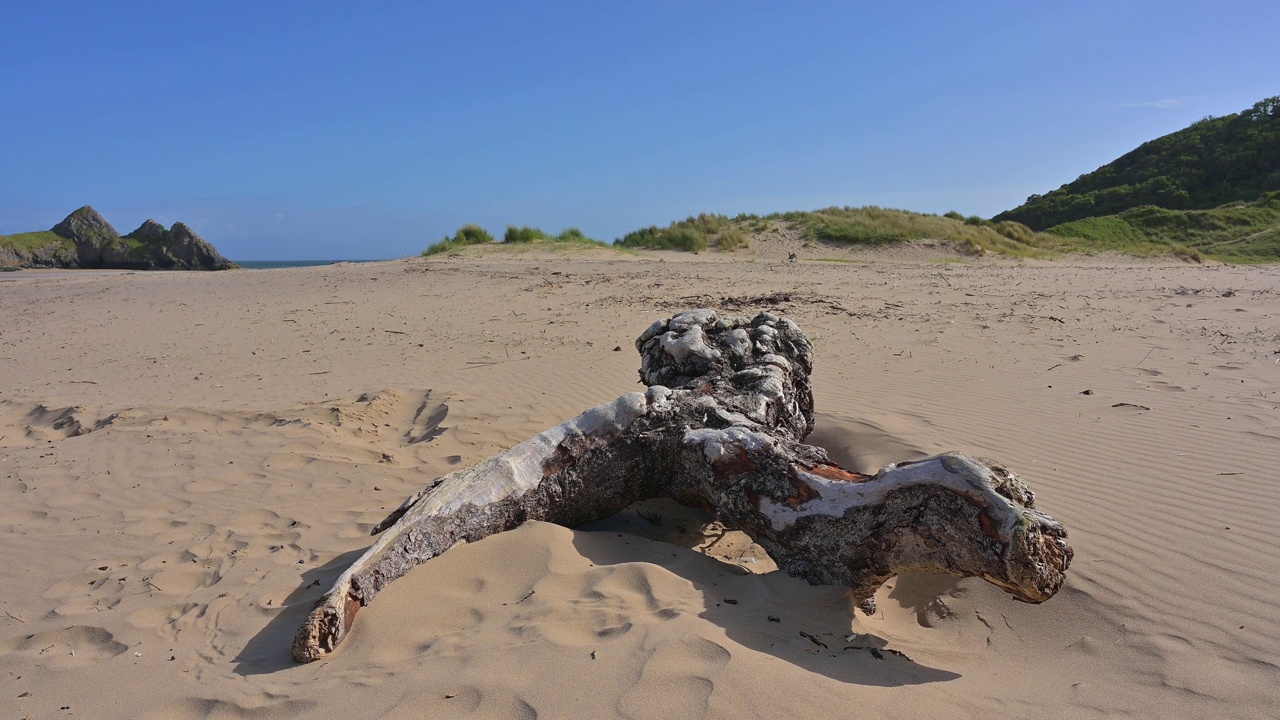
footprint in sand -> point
(675, 681)
(68, 648)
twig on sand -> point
(813, 639)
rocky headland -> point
(84, 239)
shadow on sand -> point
(771, 613)
(270, 650)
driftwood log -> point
(721, 428)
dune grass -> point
(468, 234)
(873, 226)
(868, 226)
(523, 235)
(1236, 232)
(693, 234)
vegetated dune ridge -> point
(188, 460)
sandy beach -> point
(188, 460)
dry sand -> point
(187, 460)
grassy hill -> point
(1213, 162)
(30, 241)
(1236, 232)
(866, 226)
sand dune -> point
(188, 460)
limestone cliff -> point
(84, 239)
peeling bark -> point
(721, 428)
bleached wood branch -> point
(721, 428)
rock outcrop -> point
(86, 227)
(84, 239)
(150, 231)
(178, 247)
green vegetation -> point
(1212, 162)
(514, 236)
(731, 239)
(1237, 232)
(845, 226)
(524, 234)
(693, 234)
(31, 241)
(468, 234)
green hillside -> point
(864, 226)
(1237, 232)
(30, 241)
(1213, 162)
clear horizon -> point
(312, 131)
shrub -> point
(731, 239)
(1188, 253)
(523, 234)
(687, 239)
(1015, 231)
(676, 237)
(468, 234)
(953, 215)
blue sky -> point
(336, 130)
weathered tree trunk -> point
(720, 428)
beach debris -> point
(721, 427)
(814, 639)
(878, 653)
(653, 518)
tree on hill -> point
(1212, 162)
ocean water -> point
(277, 264)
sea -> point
(277, 264)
